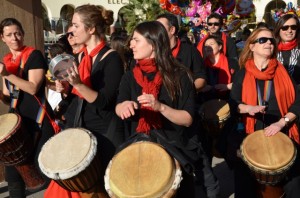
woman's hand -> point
(148, 100)
(252, 110)
(126, 109)
(3, 71)
(274, 128)
(73, 76)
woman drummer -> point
(157, 96)
(95, 82)
(24, 68)
(264, 95)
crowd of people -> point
(150, 86)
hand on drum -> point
(126, 109)
(3, 71)
(273, 128)
(252, 110)
(60, 86)
(73, 76)
(148, 100)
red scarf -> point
(149, 119)
(85, 66)
(13, 66)
(176, 49)
(202, 41)
(288, 45)
(223, 68)
(284, 92)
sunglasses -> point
(263, 40)
(69, 34)
(286, 27)
(215, 24)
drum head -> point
(67, 153)
(10, 123)
(215, 109)
(59, 65)
(268, 153)
(143, 169)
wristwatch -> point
(287, 120)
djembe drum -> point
(16, 149)
(70, 159)
(214, 114)
(269, 158)
(142, 169)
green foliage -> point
(138, 11)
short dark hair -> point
(217, 16)
(172, 20)
(8, 22)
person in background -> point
(214, 24)
(287, 32)
(119, 44)
(184, 52)
(24, 68)
(157, 97)
(59, 95)
(275, 112)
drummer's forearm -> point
(30, 86)
(89, 94)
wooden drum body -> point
(144, 170)
(15, 144)
(269, 158)
(16, 149)
(70, 159)
(214, 114)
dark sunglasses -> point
(262, 40)
(69, 34)
(286, 27)
(215, 24)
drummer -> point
(157, 98)
(31, 82)
(264, 95)
(95, 82)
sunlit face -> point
(13, 37)
(81, 34)
(263, 49)
(212, 48)
(141, 48)
(212, 25)
(289, 34)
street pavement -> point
(220, 168)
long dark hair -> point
(281, 22)
(170, 69)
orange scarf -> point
(284, 92)
(201, 44)
(176, 49)
(85, 66)
(13, 66)
(287, 46)
(223, 68)
(148, 118)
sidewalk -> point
(221, 170)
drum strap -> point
(77, 118)
(264, 101)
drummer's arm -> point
(89, 94)
(32, 85)
(179, 117)
(4, 94)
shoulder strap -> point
(100, 56)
